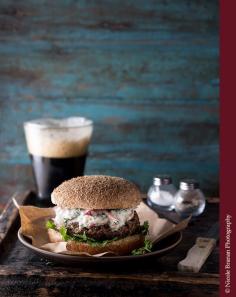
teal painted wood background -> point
(146, 72)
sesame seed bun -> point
(96, 192)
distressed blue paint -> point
(146, 72)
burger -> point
(96, 214)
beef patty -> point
(104, 232)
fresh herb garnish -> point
(63, 232)
(144, 228)
(105, 242)
(147, 248)
(50, 225)
(84, 237)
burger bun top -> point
(96, 192)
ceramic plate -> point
(161, 248)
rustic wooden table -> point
(22, 273)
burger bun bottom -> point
(123, 246)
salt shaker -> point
(161, 193)
(189, 200)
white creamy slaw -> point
(115, 218)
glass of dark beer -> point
(58, 150)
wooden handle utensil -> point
(197, 255)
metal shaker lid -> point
(160, 180)
(189, 184)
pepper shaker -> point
(189, 200)
(161, 193)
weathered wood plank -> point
(9, 214)
(145, 72)
(140, 15)
(15, 286)
(59, 273)
(113, 71)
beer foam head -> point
(58, 138)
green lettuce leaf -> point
(79, 237)
(63, 232)
(50, 225)
(147, 248)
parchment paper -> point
(33, 220)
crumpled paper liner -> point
(33, 220)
